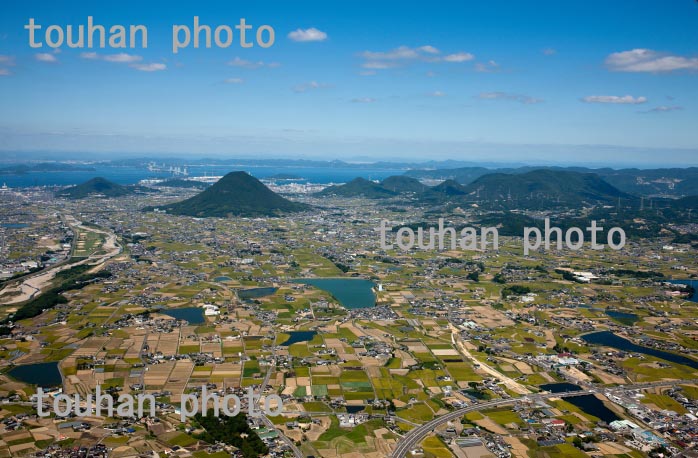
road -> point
(32, 285)
(508, 382)
(296, 451)
(415, 436)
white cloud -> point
(305, 87)
(122, 58)
(132, 60)
(614, 99)
(402, 55)
(429, 49)
(379, 65)
(550, 51)
(7, 60)
(306, 35)
(242, 63)
(459, 57)
(525, 99)
(663, 109)
(234, 81)
(153, 67)
(437, 94)
(4, 72)
(45, 57)
(647, 60)
(363, 100)
(487, 67)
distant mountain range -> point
(359, 187)
(236, 194)
(534, 187)
(103, 187)
(23, 169)
(674, 182)
(288, 162)
(390, 187)
(545, 185)
(538, 189)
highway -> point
(415, 436)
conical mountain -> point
(236, 194)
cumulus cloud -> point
(153, 67)
(663, 109)
(647, 60)
(234, 81)
(363, 100)
(429, 49)
(614, 99)
(305, 87)
(306, 35)
(46, 57)
(525, 99)
(133, 61)
(243, 63)
(122, 58)
(402, 55)
(459, 57)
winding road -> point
(415, 436)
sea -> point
(133, 174)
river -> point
(609, 339)
(589, 403)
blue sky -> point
(545, 81)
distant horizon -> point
(28, 157)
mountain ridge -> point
(97, 186)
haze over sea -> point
(132, 174)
